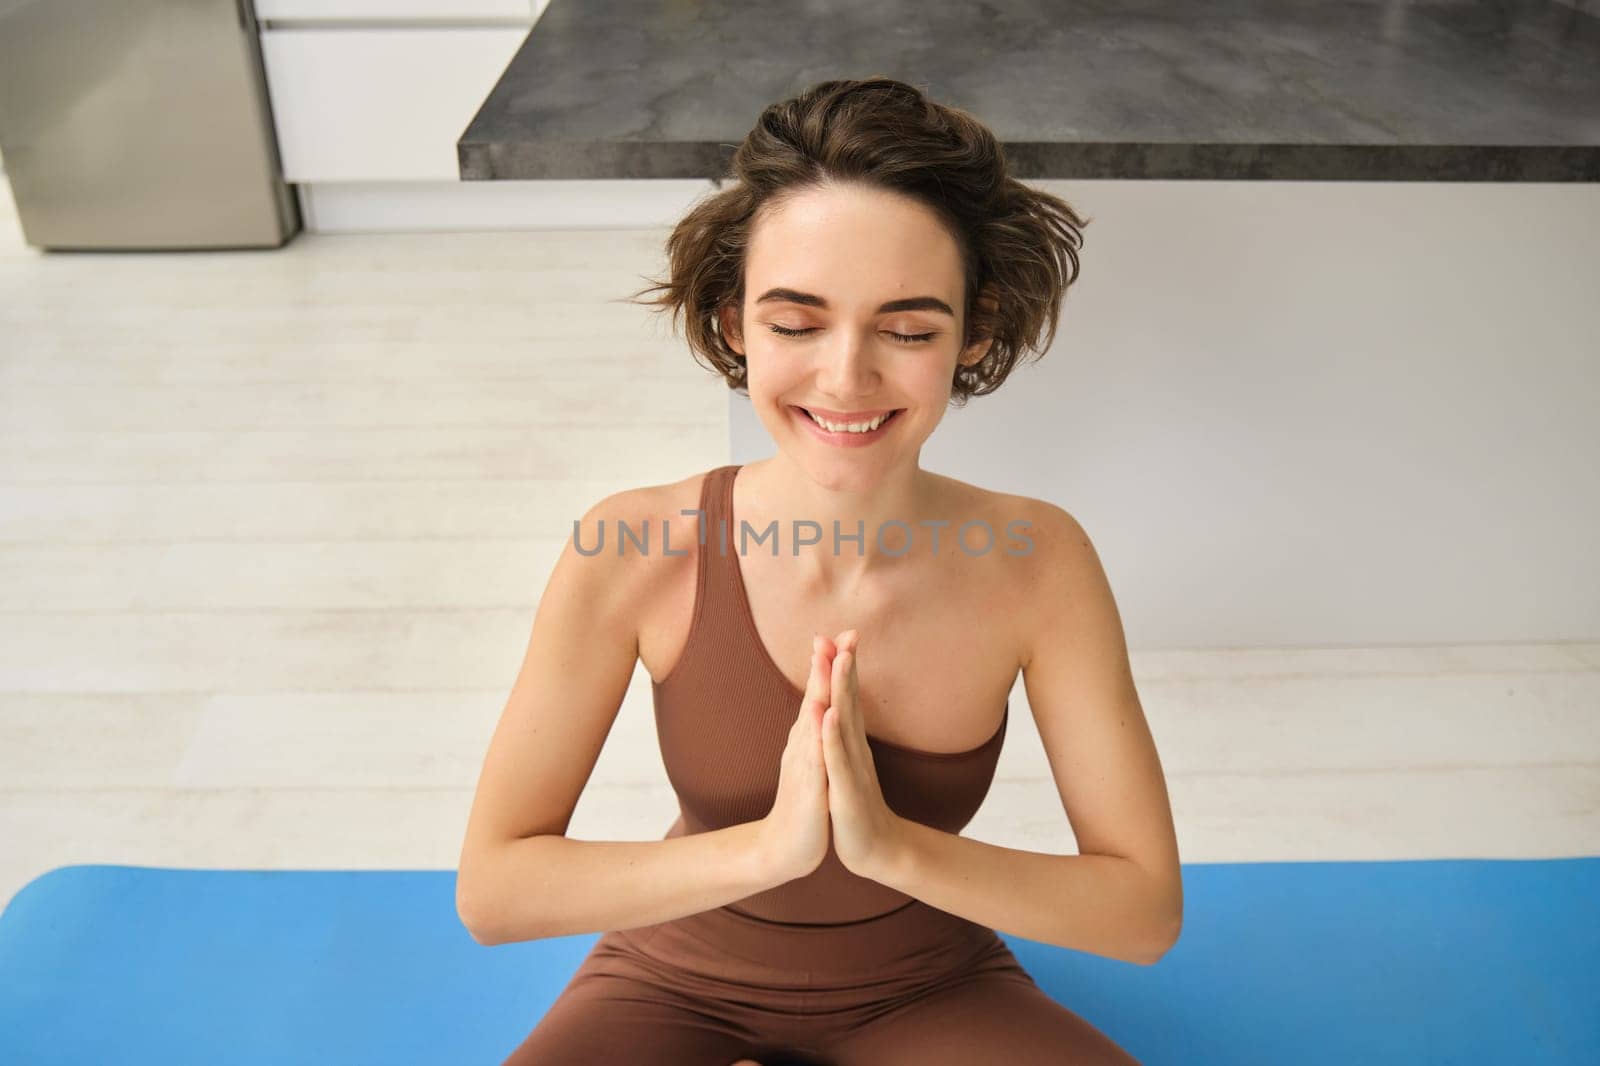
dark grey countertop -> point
(1362, 90)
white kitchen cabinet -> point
(380, 104)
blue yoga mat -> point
(1458, 961)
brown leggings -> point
(916, 986)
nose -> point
(846, 368)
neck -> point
(865, 500)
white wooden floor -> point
(273, 527)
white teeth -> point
(852, 427)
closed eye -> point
(900, 338)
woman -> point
(813, 902)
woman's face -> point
(852, 308)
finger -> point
(837, 676)
(828, 650)
(841, 681)
(816, 683)
(843, 701)
(847, 697)
(835, 753)
(855, 675)
(820, 690)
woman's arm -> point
(1102, 904)
(520, 877)
(552, 885)
(1122, 895)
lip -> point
(844, 439)
(846, 416)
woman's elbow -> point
(476, 911)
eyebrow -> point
(909, 303)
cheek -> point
(769, 381)
(930, 380)
(766, 375)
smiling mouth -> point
(882, 421)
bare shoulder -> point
(1055, 532)
(1021, 525)
(643, 538)
(1046, 556)
(1028, 540)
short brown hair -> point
(1018, 245)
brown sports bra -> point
(723, 715)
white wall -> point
(1308, 413)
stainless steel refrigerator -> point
(140, 124)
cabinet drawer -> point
(396, 10)
(379, 104)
